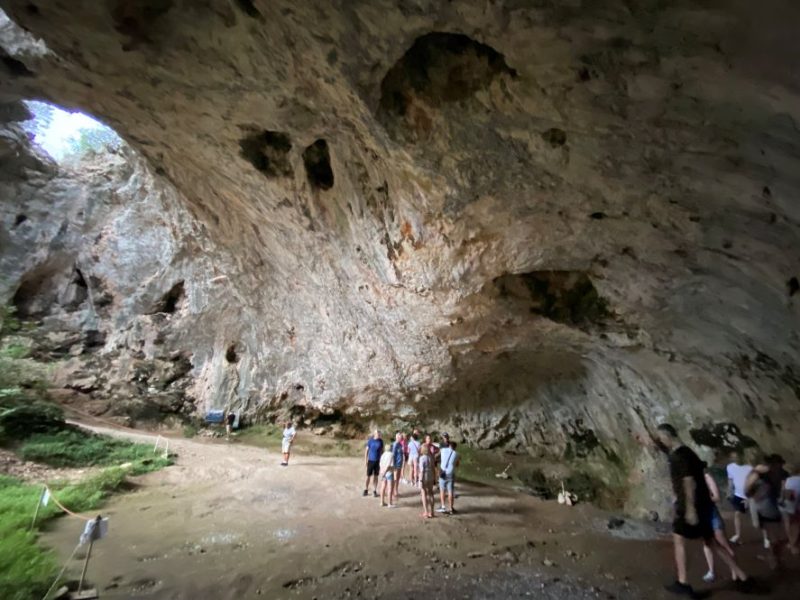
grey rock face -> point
(545, 228)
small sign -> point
(96, 529)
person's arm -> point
(712, 487)
(366, 453)
(294, 434)
(688, 492)
(731, 487)
(751, 482)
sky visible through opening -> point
(66, 135)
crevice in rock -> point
(268, 151)
(793, 286)
(14, 67)
(563, 296)
(231, 355)
(172, 300)
(317, 160)
(598, 215)
(19, 220)
(248, 7)
(555, 137)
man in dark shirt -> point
(372, 456)
(693, 511)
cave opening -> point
(68, 137)
(231, 356)
(172, 300)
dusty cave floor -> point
(228, 522)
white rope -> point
(58, 577)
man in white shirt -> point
(448, 459)
(791, 500)
(737, 475)
(286, 444)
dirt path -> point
(228, 522)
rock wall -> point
(544, 225)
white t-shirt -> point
(738, 474)
(793, 484)
(449, 458)
(288, 434)
(413, 448)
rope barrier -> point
(61, 573)
(64, 508)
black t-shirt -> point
(231, 418)
(683, 462)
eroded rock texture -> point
(543, 225)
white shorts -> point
(285, 447)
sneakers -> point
(374, 494)
(284, 464)
(392, 506)
(709, 577)
(366, 493)
(734, 539)
(766, 544)
(441, 509)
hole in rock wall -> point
(172, 300)
(563, 296)
(439, 68)
(36, 292)
(317, 160)
(248, 7)
(136, 19)
(14, 67)
(19, 220)
(268, 151)
(230, 354)
(555, 137)
(68, 136)
(793, 286)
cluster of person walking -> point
(416, 461)
(766, 490)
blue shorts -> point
(389, 475)
(717, 524)
(446, 481)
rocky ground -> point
(228, 522)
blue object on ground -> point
(215, 416)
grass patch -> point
(26, 569)
(263, 435)
(73, 447)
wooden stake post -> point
(89, 593)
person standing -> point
(791, 508)
(764, 487)
(449, 461)
(387, 477)
(230, 419)
(718, 526)
(737, 475)
(425, 478)
(289, 434)
(398, 460)
(372, 457)
(693, 511)
(413, 456)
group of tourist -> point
(412, 460)
(767, 490)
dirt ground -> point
(228, 522)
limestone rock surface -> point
(545, 226)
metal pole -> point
(38, 505)
(95, 532)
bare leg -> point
(737, 524)
(441, 493)
(680, 557)
(709, 559)
(424, 502)
(374, 483)
(719, 535)
(450, 495)
(736, 570)
(383, 492)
